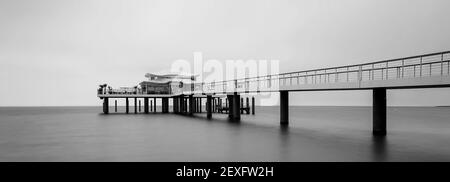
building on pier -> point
(160, 84)
(165, 83)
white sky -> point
(56, 52)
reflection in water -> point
(379, 148)
(284, 143)
(314, 134)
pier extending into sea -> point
(421, 71)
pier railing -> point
(414, 67)
(421, 66)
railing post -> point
(373, 71)
(430, 68)
(420, 72)
(224, 87)
(360, 74)
(403, 68)
(387, 70)
(347, 73)
(336, 75)
(442, 64)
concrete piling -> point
(115, 105)
(154, 105)
(253, 105)
(236, 116)
(208, 107)
(105, 105)
(284, 107)
(135, 105)
(127, 109)
(379, 112)
(146, 105)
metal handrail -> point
(379, 70)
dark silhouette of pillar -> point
(105, 105)
(226, 104)
(191, 105)
(146, 105)
(200, 104)
(194, 104)
(253, 105)
(139, 105)
(185, 105)
(284, 107)
(135, 105)
(230, 106)
(127, 109)
(248, 105)
(165, 105)
(208, 106)
(151, 105)
(154, 104)
(379, 112)
(236, 107)
(213, 103)
(242, 105)
(115, 105)
(174, 104)
(182, 105)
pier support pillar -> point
(253, 105)
(191, 105)
(174, 104)
(200, 104)
(230, 106)
(105, 105)
(247, 105)
(195, 105)
(236, 110)
(165, 105)
(127, 109)
(284, 107)
(379, 112)
(135, 105)
(115, 105)
(185, 105)
(151, 106)
(146, 105)
(181, 103)
(208, 106)
(154, 104)
(242, 105)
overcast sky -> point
(56, 52)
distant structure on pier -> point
(165, 83)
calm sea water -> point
(314, 134)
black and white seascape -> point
(224, 81)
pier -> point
(421, 71)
